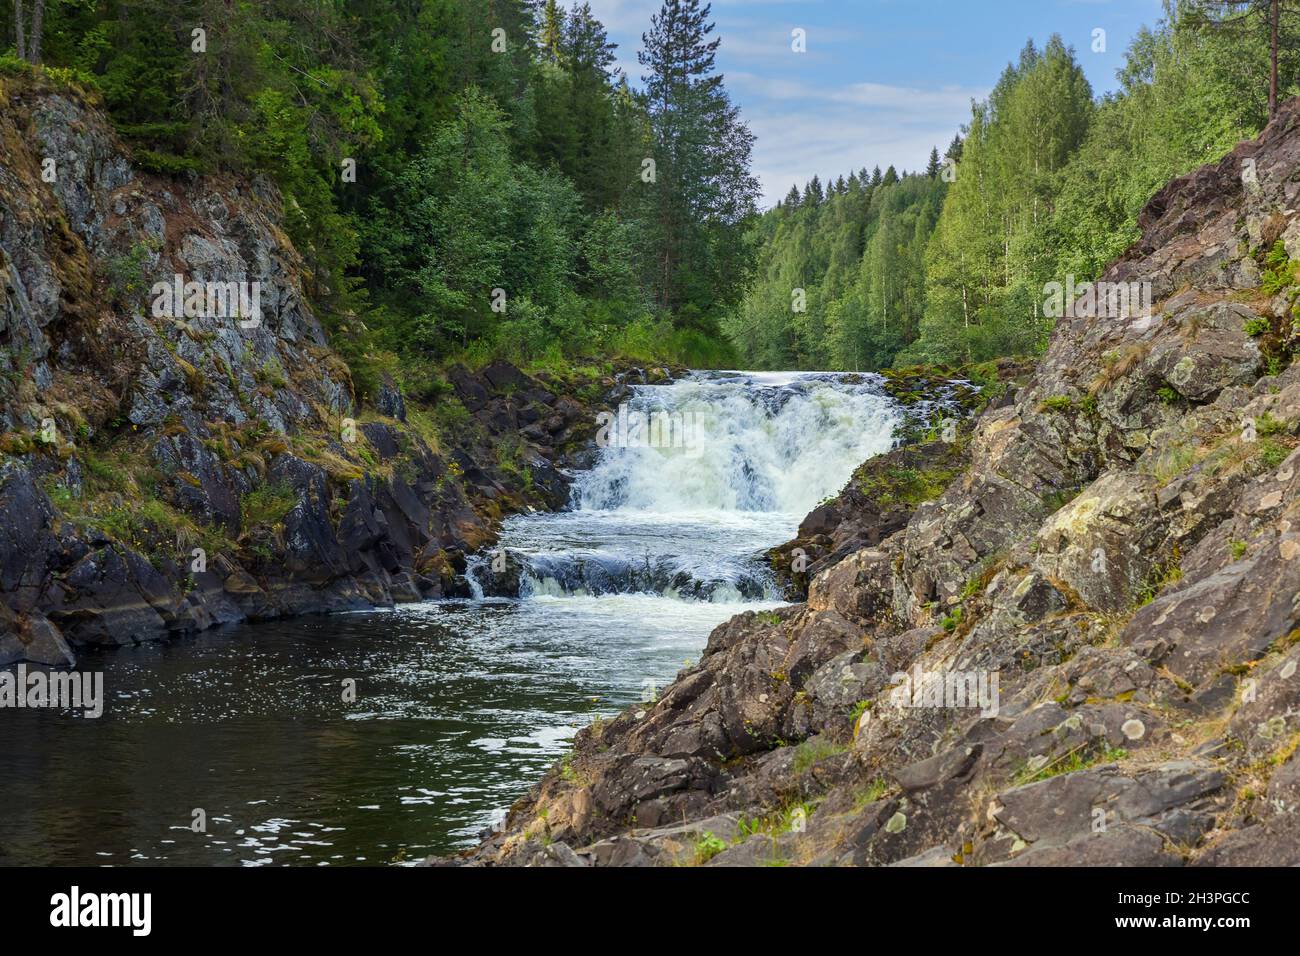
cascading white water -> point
(762, 443)
(694, 480)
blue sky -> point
(882, 81)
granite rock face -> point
(166, 469)
(1081, 647)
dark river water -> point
(459, 706)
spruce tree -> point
(703, 189)
(551, 35)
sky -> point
(881, 81)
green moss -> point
(815, 750)
(906, 486)
(1272, 452)
(1079, 758)
(266, 506)
(1056, 500)
(1163, 575)
(873, 792)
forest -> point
(948, 265)
(469, 179)
(465, 178)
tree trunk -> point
(1272, 79)
(20, 38)
(34, 46)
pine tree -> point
(1269, 17)
(934, 166)
(588, 57)
(551, 35)
(954, 149)
(704, 188)
(812, 193)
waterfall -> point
(693, 481)
(761, 442)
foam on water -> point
(690, 521)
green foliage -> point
(266, 505)
(702, 189)
(1086, 755)
(1049, 183)
(422, 169)
(815, 750)
(858, 257)
(127, 279)
(906, 486)
(1257, 327)
(707, 847)
(1161, 576)
(521, 170)
(1272, 452)
(775, 823)
(1279, 271)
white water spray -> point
(763, 443)
(690, 521)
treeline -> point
(464, 177)
(840, 272)
(1047, 183)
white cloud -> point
(803, 130)
(801, 127)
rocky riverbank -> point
(162, 475)
(1068, 638)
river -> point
(459, 705)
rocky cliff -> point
(1074, 639)
(163, 473)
